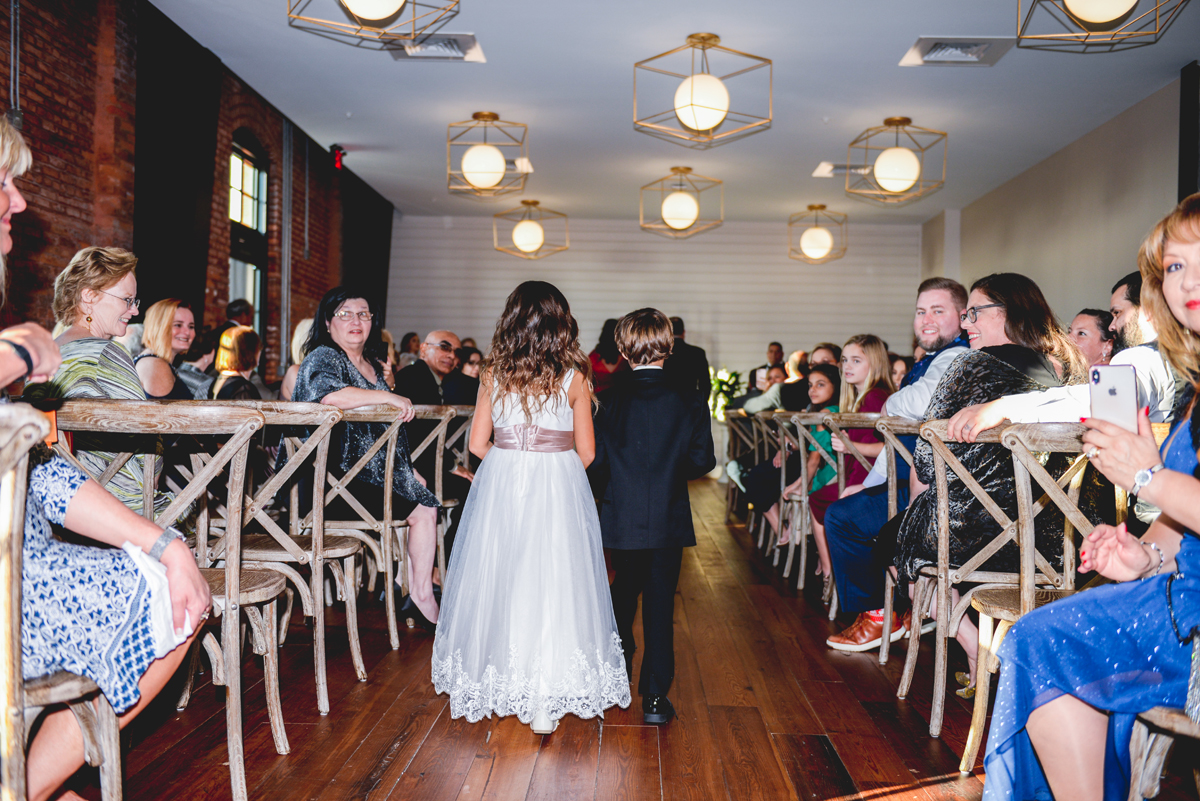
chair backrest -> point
(458, 440)
(892, 428)
(741, 433)
(794, 433)
(836, 423)
(21, 427)
(388, 415)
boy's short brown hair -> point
(644, 336)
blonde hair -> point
(156, 336)
(389, 345)
(1178, 343)
(644, 336)
(94, 268)
(15, 159)
(879, 371)
(299, 337)
(238, 350)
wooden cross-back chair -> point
(234, 590)
(892, 428)
(740, 438)
(22, 427)
(391, 545)
(458, 448)
(941, 578)
(837, 423)
(793, 507)
(768, 432)
(306, 430)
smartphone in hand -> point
(1114, 394)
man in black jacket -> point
(687, 365)
(652, 437)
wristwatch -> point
(1142, 477)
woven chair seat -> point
(258, 586)
(1004, 603)
(264, 547)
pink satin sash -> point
(534, 439)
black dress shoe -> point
(657, 709)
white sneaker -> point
(734, 471)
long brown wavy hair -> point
(1179, 344)
(1029, 321)
(535, 344)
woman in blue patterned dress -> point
(86, 610)
(1075, 673)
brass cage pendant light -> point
(530, 231)
(399, 22)
(817, 235)
(906, 162)
(1093, 26)
(486, 157)
(704, 105)
(681, 204)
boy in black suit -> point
(652, 437)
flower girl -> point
(526, 626)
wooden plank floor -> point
(765, 711)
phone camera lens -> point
(1095, 376)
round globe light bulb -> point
(374, 9)
(701, 102)
(680, 210)
(528, 236)
(483, 166)
(897, 169)
(1099, 11)
(816, 242)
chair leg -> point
(271, 678)
(441, 550)
(833, 602)
(988, 642)
(231, 657)
(800, 532)
(348, 572)
(317, 585)
(286, 621)
(110, 745)
(941, 657)
(889, 586)
(914, 644)
(389, 592)
(191, 664)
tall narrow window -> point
(247, 191)
(248, 223)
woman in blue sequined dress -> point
(1075, 673)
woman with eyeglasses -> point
(96, 297)
(344, 368)
(1017, 345)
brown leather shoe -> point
(864, 634)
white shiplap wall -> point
(734, 286)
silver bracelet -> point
(1162, 560)
(169, 535)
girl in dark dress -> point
(1075, 673)
(170, 331)
(236, 358)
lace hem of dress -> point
(585, 691)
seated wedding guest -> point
(853, 523)
(296, 351)
(169, 332)
(389, 358)
(1075, 673)
(606, 359)
(790, 394)
(238, 353)
(1093, 335)
(461, 387)
(195, 363)
(343, 369)
(86, 610)
(1016, 346)
(132, 341)
(469, 342)
(95, 297)
(409, 350)
(826, 353)
(687, 365)
(866, 385)
(757, 378)
(239, 311)
(762, 482)
(900, 367)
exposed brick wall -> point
(78, 93)
(77, 87)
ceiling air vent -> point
(957, 51)
(441, 47)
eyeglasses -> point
(971, 313)
(130, 303)
(349, 315)
(443, 345)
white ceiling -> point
(565, 67)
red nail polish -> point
(1084, 419)
(1146, 411)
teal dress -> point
(1122, 648)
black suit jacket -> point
(687, 366)
(416, 382)
(652, 437)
